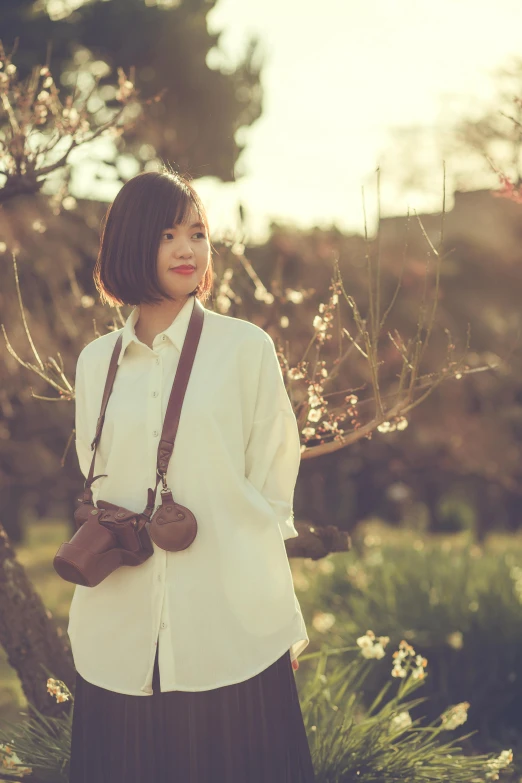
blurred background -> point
(312, 133)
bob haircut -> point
(126, 267)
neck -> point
(154, 318)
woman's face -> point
(186, 244)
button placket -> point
(155, 393)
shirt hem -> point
(192, 689)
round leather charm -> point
(172, 526)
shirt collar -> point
(175, 332)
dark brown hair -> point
(126, 268)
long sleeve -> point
(83, 436)
(273, 452)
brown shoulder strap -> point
(173, 412)
(177, 395)
(179, 387)
(109, 383)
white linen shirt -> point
(223, 609)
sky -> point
(340, 78)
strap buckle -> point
(163, 480)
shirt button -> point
(157, 361)
(163, 336)
(163, 625)
(155, 433)
(154, 393)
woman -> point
(184, 663)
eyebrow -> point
(194, 225)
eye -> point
(170, 234)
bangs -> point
(177, 210)
(165, 203)
(178, 200)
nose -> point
(183, 250)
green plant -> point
(39, 747)
(381, 743)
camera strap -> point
(172, 414)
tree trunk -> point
(30, 636)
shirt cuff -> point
(287, 527)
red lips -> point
(183, 269)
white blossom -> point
(400, 721)
(10, 760)
(494, 765)
(455, 716)
(323, 621)
(58, 689)
(372, 647)
(455, 640)
(294, 296)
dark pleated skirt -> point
(248, 732)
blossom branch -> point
(34, 109)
